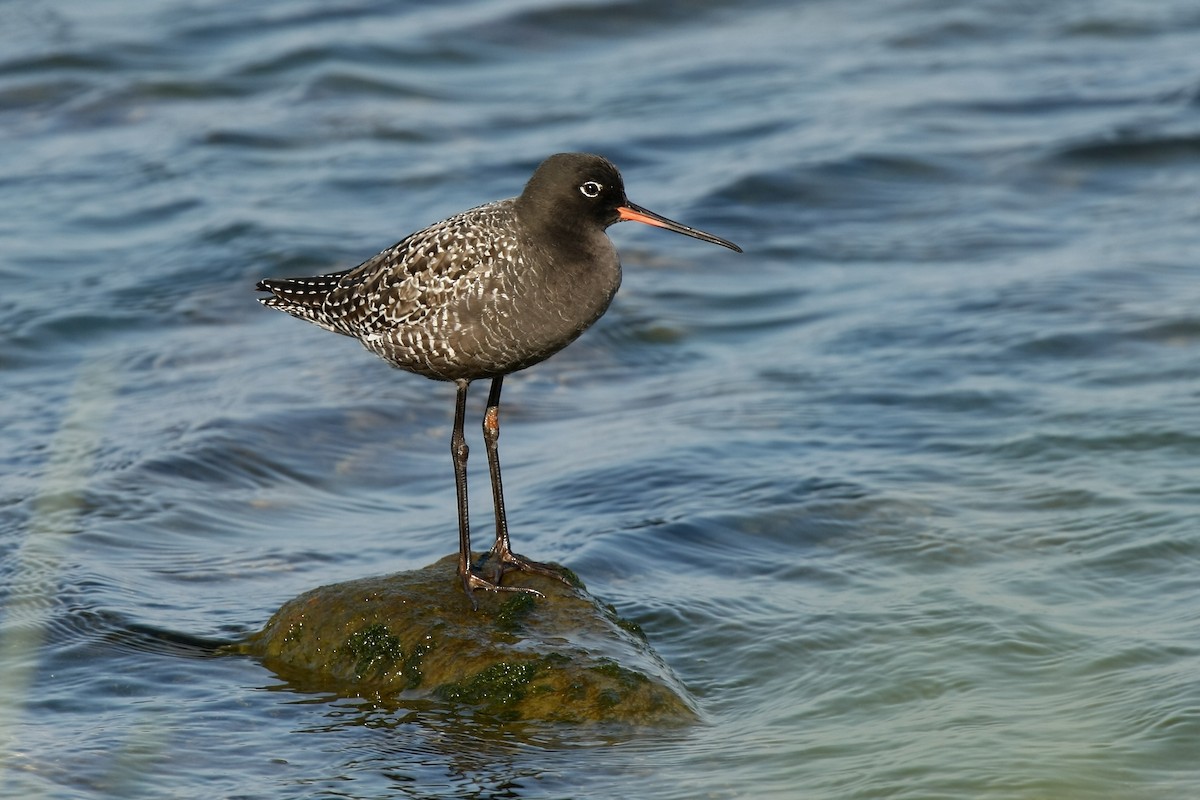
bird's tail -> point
(303, 297)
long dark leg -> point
(459, 452)
(491, 439)
(502, 557)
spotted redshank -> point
(483, 294)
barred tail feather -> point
(303, 298)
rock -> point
(564, 657)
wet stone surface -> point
(564, 657)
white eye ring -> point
(591, 189)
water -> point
(907, 494)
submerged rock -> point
(564, 657)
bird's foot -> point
(499, 562)
(503, 560)
(471, 582)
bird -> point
(481, 295)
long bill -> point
(632, 212)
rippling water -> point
(907, 494)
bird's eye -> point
(591, 189)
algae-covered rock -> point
(561, 657)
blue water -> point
(907, 494)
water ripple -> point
(905, 493)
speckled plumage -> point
(476, 295)
(479, 295)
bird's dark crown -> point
(574, 186)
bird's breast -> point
(536, 312)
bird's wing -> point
(423, 274)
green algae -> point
(501, 684)
(510, 615)
(376, 651)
